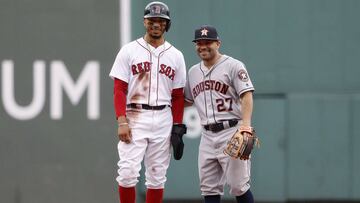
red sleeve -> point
(120, 92)
(177, 106)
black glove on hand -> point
(177, 132)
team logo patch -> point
(157, 9)
(204, 32)
(243, 76)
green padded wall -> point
(302, 57)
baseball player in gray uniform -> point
(221, 89)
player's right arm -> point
(189, 100)
(120, 92)
(187, 103)
(120, 73)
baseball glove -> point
(241, 143)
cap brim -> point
(210, 39)
(157, 16)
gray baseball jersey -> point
(216, 91)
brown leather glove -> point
(241, 143)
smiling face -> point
(208, 50)
(155, 27)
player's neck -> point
(153, 41)
(210, 63)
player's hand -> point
(177, 132)
(124, 133)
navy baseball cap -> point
(206, 32)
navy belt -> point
(217, 127)
(145, 106)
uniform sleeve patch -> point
(243, 76)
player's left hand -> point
(177, 143)
(241, 143)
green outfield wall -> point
(57, 125)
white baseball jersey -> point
(216, 91)
(151, 73)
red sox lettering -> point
(141, 67)
(146, 67)
(210, 85)
(168, 71)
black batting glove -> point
(177, 132)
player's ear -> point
(218, 43)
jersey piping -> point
(150, 56)
(204, 93)
(211, 92)
(157, 70)
(157, 75)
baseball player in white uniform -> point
(149, 79)
(221, 90)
